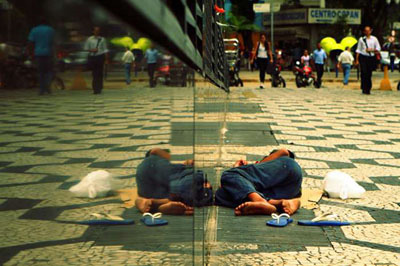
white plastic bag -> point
(341, 185)
(96, 184)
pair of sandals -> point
(107, 219)
(327, 219)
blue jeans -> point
(128, 73)
(45, 72)
(346, 73)
(277, 179)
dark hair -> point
(42, 20)
(266, 42)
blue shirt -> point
(151, 56)
(43, 38)
(319, 56)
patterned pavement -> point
(48, 143)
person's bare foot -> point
(144, 205)
(254, 207)
(290, 206)
(175, 207)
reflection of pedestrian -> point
(128, 60)
(151, 56)
(263, 55)
(305, 59)
(319, 60)
(366, 49)
(41, 43)
(98, 56)
(346, 60)
(392, 54)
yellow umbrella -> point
(348, 42)
(144, 43)
(326, 43)
(123, 41)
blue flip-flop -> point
(278, 221)
(327, 219)
(106, 219)
(153, 219)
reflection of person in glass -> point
(271, 185)
(170, 188)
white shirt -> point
(346, 58)
(372, 42)
(128, 57)
(262, 52)
(306, 60)
(91, 43)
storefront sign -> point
(261, 8)
(288, 17)
(331, 15)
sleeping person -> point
(170, 188)
(269, 186)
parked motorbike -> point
(304, 75)
(276, 79)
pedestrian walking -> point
(128, 59)
(367, 50)
(262, 54)
(391, 50)
(98, 57)
(305, 59)
(345, 60)
(151, 56)
(41, 48)
(319, 57)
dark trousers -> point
(45, 72)
(262, 64)
(277, 179)
(367, 65)
(151, 68)
(320, 72)
(97, 67)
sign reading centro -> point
(331, 15)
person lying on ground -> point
(170, 188)
(265, 187)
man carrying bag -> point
(98, 56)
(367, 55)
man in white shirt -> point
(368, 47)
(98, 56)
(345, 59)
(128, 60)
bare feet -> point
(143, 204)
(254, 207)
(175, 207)
(290, 206)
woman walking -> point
(263, 56)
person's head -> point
(319, 46)
(42, 20)
(347, 48)
(367, 31)
(96, 31)
(305, 52)
(263, 38)
(127, 48)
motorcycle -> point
(276, 79)
(304, 75)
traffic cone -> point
(79, 83)
(385, 83)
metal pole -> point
(272, 26)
